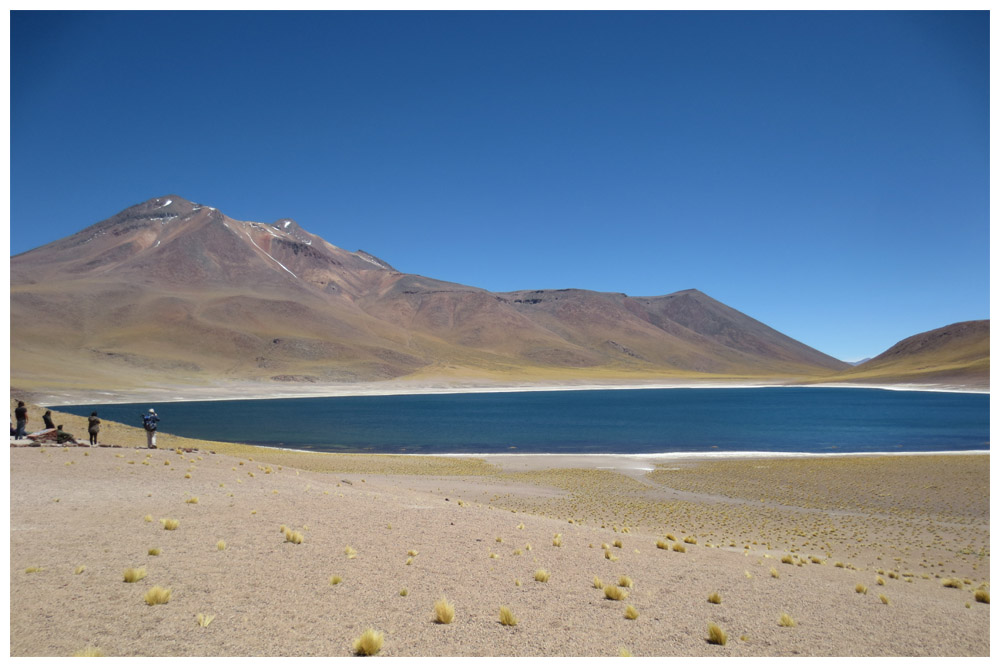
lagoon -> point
(807, 420)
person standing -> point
(149, 422)
(21, 415)
(93, 428)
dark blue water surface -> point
(640, 421)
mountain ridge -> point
(171, 290)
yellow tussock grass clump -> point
(403, 593)
(350, 552)
(982, 596)
(787, 559)
(614, 593)
(690, 540)
(32, 569)
(883, 598)
(148, 518)
(774, 572)
(598, 583)
(670, 536)
(334, 580)
(204, 620)
(880, 581)
(786, 621)
(662, 544)
(542, 575)
(154, 552)
(507, 617)
(170, 524)
(625, 582)
(80, 569)
(630, 613)
(618, 543)
(624, 653)
(221, 545)
(444, 611)
(412, 552)
(134, 574)
(294, 536)
(679, 548)
(369, 643)
(715, 598)
(557, 540)
(861, 588)
(90, 652)
(716, 635)
(953, 583)
(157, 595)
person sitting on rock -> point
(62, 436)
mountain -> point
(957, 354)
(170, 293)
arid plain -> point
(866, 556)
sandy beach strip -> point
(770, 536)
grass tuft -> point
(221, 545)
(630, 613)
(294, 536)
(507, 617)
(154, 552)
(157, 595)
(953, 583)
(170, 524)
(614, 593)
(90, 652)
(982, 596)
(715, 598)
(369, 643)
(204, 620)
(787, 621)
(883, 598)
(862, 589)
(624, 582)
(444, 611)
(334, 580)
(774, 572)
(680, 548)
(134, 574)
(542, 575)
(350, 552)
(80, 569)
(148, 518)
(716, 635)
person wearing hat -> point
(149, 422)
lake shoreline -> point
(251, 391)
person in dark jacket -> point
(47, 418)
(149, 423)
(62, 436)
(21, 415)
(93, 428)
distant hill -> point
(173, 294)
(958, 354)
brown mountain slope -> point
(173, 292)
(958, 354)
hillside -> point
(170, 293)
(956, 355)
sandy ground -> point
(900, 526)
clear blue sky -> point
(826, 173)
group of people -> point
(149, 423)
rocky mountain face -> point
(176, 292)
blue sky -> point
(826, 173)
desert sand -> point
(773, 536)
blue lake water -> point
(624, 421)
